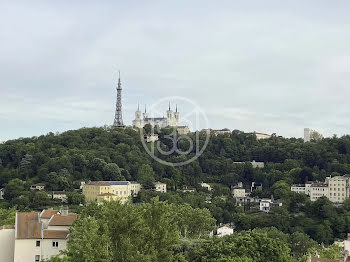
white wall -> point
(7, 245)
(49, 251)
(26, 249)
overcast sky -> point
(265, 66)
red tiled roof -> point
(28, 225)
(315, 259)
(58, 220)
(55, 234)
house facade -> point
(39, 186)
(160, 187)
(35, 236)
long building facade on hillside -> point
(110, 190)
(336, 189)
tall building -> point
(307, 134)
(310, 134)
(172, 119)
(118, 118)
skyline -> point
(267, 67)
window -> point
(54, 243)
(37, 258)
(38, 243)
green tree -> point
(40, 199)
(111, 172)
(14, 188)
(74, 198)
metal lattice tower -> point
(118, 119)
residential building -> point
(102, 190)
(261, 135)
(35, 236)
(238, 191)
(256, 186)
(298, 188)
(205, 185)
(39, 186)
(254, 164)
(224, 230)
(188, 190)
(318, 190)
(310, 134)
(7, 243)
(221, 131)
(59, 195)
(338, 188)
(183, 130)
(267, 204)
(308, 187)
(2, 192)
(160, 187)
(151, 138)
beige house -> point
(238, 192)
(60, 195)
(110, 190)
(160, 187)
(261, 135)
(183, 130)
(39, 186)
(151, 138)
(205, 185)
(35, 236)
(318, 190)
(298, 188)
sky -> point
(265, 66)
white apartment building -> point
(298, 188)
(224, 230)
(261, 135)
(238, 192)
(40, 186)
(205, 185)
(267, 204)
(183, 130)
(35, 236)
(160, 187)
(338, 188)
(318, 190)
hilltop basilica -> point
(172, 119)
